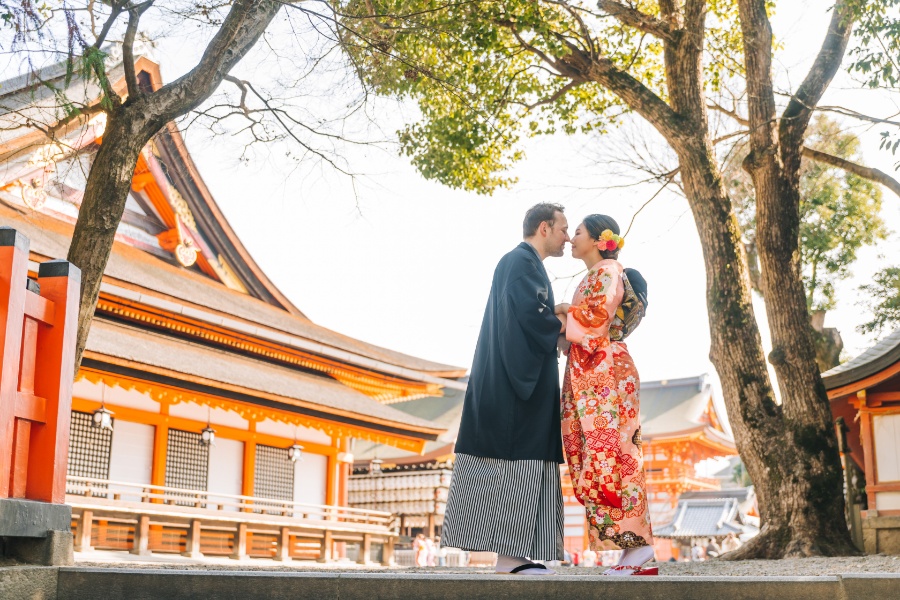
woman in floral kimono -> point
(601, 399)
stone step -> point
(78, 583)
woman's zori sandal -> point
(634, 570)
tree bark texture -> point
(810, 507)
(130, 126)
(790, 448)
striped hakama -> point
(511, 507)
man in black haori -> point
(505, 494)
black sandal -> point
(527, 566)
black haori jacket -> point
(511, 409)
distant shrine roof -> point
(676, 407)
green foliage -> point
(882, 298)
(487, 74)
(93, 66)
(740, 476)
(840, 212)
(876, 52)
(877, 48)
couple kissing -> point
(517, 426)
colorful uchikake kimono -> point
(601, 410)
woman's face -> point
(582, 242)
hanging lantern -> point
(102, 418)
(295, 452)
(208, 436)
(375, 466)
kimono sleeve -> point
(529, 333)
(588, 322)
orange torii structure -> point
(38, 325)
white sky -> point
(406, 263)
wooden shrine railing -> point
(145, 518)
(38, 324)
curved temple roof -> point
(260, 302)
(877, 358)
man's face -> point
(557, 236)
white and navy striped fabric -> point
(512, 507)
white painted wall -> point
(304, 434)
(887, 501)
(310, 474)
(217, 416)
(226, 467)
(131, 455)
(886, 431)
(115, 396)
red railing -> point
(38, 325)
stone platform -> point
(80, 583)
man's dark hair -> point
(537, 214)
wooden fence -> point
(144, 518)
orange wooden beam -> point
(60, 283)
(164, 422)
(13, 272)
(31, 407)
(347, 430)
(39, 308)
(160, 446)
(249, 480)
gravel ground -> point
(719, 568)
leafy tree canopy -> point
(479, 72)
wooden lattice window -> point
(274, 474)
(187, 461)
(89, 448)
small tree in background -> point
(882, 298)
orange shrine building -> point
(210, 415)
(865, 400)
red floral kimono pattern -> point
(600, 416)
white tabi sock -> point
(632, 557)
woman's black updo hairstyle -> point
(596, 225)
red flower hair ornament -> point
(610, 241)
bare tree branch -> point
(239, 31)
(799, 110)
(104, 31)
(731, 113)
(635, 94)
(728, 136)
(857, 115)
(134, 17)
(637, 19)
(243, 87)
(869, 173)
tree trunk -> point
(107, 189)
(130, 126)
(804, 515)
(789, 449)
(828, 342)
(798, 486)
